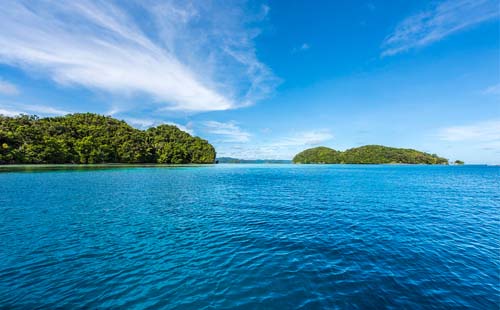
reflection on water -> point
(70, 167)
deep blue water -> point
(251, 236)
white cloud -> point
(442, 20)
(229, 131)
(8, 112)
(8, 88)
(144, 123)
(302, 48)
(13, 109)
(474, 143)
(492, 90)
(43, 110)
(194, 56)
(488, 131)
(265, 10)
(277, 148)
(370, 6)
(140, 122)
(307, 138)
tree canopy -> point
(368, 154)
(87, 138)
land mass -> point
(368, 154)
(87, 138)
(232, 160)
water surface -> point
(251, 236)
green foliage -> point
(368, 154)
(459, 162)
(319, 155)
(90, 138)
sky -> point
(266, 79)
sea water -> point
(251, 236)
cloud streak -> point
(144, 123)
(488, 131)
(304, 47)
(229, 131)
(7, 88)
(176, 61)
(492, 90)
(41, 110)
(306, 138)
(442, 20)
(8, 112)
(279, 148)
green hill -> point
(90, 138)
(368, 154)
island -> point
(87, 138)
(368, 154)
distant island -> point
(232, 160)
(87, 138)
(368, 154)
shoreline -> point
(152, 165)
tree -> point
(90, 138)
(368, 154)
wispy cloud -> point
(487, 131)
(492, 90)
(306, 138)
(438, 22)
(43, 110)
(187, 128)
(301, 48)
(284, 147)
(229, 131)
(8, 88)
(144, 123)
(194, 56)
(370, 6)
(8, 112)
(13, 109)
(140, 122)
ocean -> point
(251, 237)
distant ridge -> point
(232, 160)
(368, 154)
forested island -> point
(368, 154)
(87, 138)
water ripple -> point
(243, 236)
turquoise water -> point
(251, 236)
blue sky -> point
(266, 79)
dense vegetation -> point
(90, 138)
(368, 154)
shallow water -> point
(251, 236)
